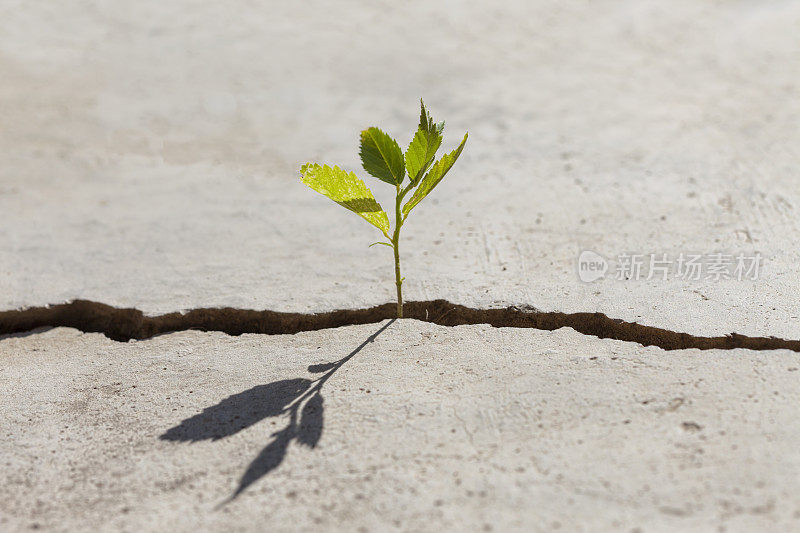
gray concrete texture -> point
(149, 158)
(151, 153)
(426, 428)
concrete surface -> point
(427, 428)
(150, 153)
(149, 156)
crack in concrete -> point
(126, 324)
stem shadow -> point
(300, 398)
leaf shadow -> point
(300, 398)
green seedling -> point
(382, 158)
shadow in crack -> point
(300, 399)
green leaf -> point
(434, 176)
(426, 122)
(382, 157)
(422, 149)
(347, 190)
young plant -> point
(382, 158)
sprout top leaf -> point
(422, 149)
(432, 178)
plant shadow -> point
(300, 398)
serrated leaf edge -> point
(422, 190)
(347, 203)
(383, 155)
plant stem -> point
(396, 245)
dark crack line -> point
(126, 324)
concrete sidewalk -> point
(427, 428)
(149, 158)
(151, 153)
